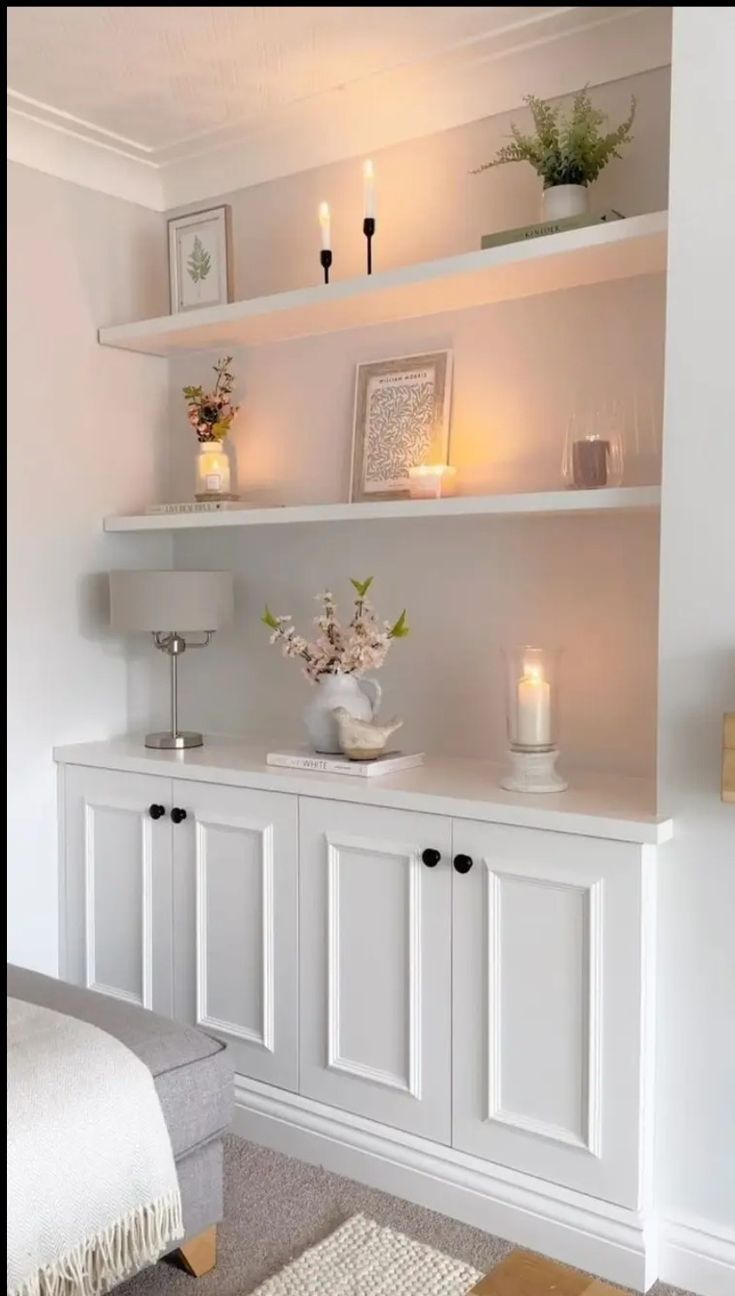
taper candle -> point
(325, 222)
(368, 174)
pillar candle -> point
(533, 710)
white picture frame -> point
(200, 259)
(401, 420)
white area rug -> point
(363, 1259)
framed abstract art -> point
(401, 420)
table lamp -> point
(171, 605)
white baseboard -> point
(697, 1256)
(604, 1239)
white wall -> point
(696, 1074)
(84, 439)
(589, 584)
(428, 204)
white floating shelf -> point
(619, 250)
(618, 499)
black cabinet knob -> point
(462, 863)
(156, 811)
(431, 857)
(178, 815)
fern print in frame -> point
(401, 420)
(200, 259)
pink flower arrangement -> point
(339, 650)
(211, 413)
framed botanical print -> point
(200, 259)
(401, 421)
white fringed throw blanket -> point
(93, 1194)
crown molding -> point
(464, 83)
(56, 149)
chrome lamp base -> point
(533, 771)
(174, 741)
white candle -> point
(325, 222)
(430, 481)
(534, 709)
(368, 175)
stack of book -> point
(543, 228)
(198, 506)
(388, 763)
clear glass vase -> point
(212, 471)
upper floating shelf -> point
(598, 254)
(615, 499)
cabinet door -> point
(117, 885)
(375, 964)
(236, 924)
(548, 1006)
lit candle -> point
(368, 175)
(325, 222)
(430, 481)
(534, 709)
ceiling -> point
(168, 105)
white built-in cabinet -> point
(376, 965)
(479, 985)
(182, 897)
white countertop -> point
(594, 805)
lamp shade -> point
(170, 600)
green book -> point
(544, 228)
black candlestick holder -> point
(325, 257)
(368, 229)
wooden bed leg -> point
(199, 1255)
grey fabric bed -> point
(192, 1074)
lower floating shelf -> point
(615, 499)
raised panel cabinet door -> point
(236, 923)
(550, 1009)
(375, 922)
(117, 885)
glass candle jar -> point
(212, 470)
(531, 698)
(431, 481)
(593, 448)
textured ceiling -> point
(168, 106)
(158, 78)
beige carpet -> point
(276, 1207)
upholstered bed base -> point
(193, 1078)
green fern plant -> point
(566, 149)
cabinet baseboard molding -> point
(697, 1256)
(597, 1236)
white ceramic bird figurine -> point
(361, 740)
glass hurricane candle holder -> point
(593, 449)
(532, 719)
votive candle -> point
(431, 481)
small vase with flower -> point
(211, 414)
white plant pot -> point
(361, 697)
(561, 201)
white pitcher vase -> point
(361, 697)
